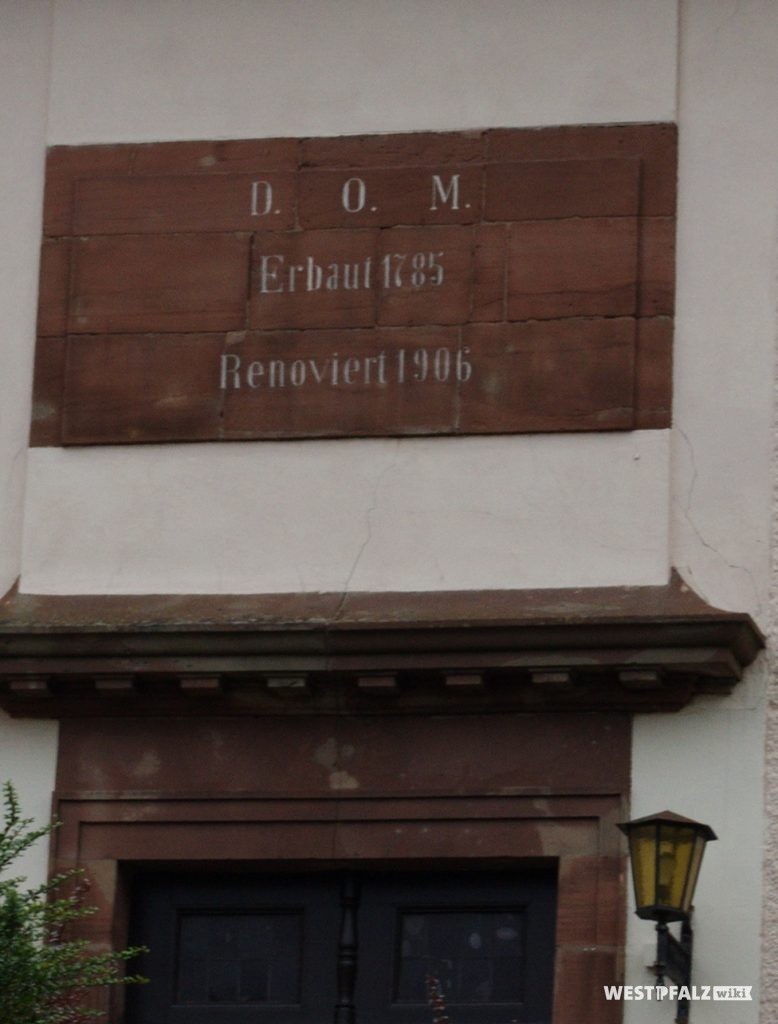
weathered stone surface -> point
(427, 283)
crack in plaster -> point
(686, 512)
(372, 507)
(13, 468)
(13, 513)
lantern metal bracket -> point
(674, 959)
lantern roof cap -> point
(669, 818)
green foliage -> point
(44, 976)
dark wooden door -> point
(359, 948)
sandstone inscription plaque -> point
(503, 281)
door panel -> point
(479, 946)
(364, 948)
(240, 950)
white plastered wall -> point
(27, 749)
(24, 68)
(425, 514)
(708, 761)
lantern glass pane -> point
(642, 844)
(694, 870)
(676, 846)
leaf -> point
(44, 978)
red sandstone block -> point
(394, 150)
(654, 374)
(223, 202)
(578, 267)
(133, 388)
(83, 161)
(237, 156)
(64, 165)
(68, 164)
(48, 383)
(357, 383)
(53, 287)
(385, 197)
(314, 279)
(490, 263)
(548, 376)
(544, 189)
(588, 881)
(655, 145)
(57, 204)
(580, 974)
(129, 283)
(425, 275)
(656, 292)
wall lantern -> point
(665, 851)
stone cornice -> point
(619, 648)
